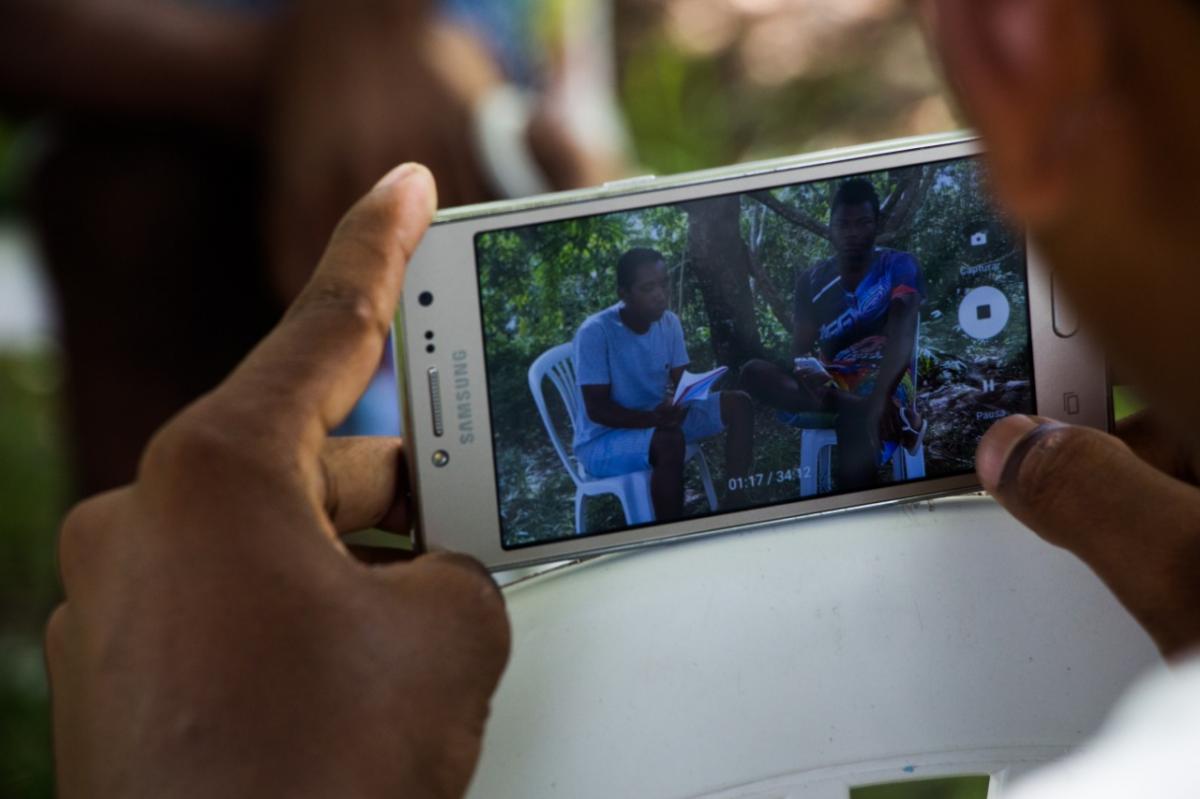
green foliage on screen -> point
(539, 283)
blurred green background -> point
(33, 495)
(702, 83)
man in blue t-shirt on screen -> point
(857, 313)
(628, 358)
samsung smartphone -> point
(780, 279)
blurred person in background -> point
(196, 155)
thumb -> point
(1087, 492)
(449, 607)
(308, 373)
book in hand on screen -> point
(695, 386)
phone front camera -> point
(425, 298)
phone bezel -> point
(457, 504)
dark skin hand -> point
(901, 332)
(666, 445)
(1134, 520)
(1090, 113)
(602, 409)
(217, 639)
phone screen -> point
(703, 357)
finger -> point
(376, 556)
(1063, 481)
(86, 546)
(1088, 492)
(54, 643)
(67, 710)
(365, 484)
(462, 585)
(449, 606)
(307, 374)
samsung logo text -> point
(462, 398)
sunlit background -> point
(708, 82)
(698, 83)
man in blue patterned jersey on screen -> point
(857, 313)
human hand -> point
(810, 373)
(668, 415)
(1127, 505)
(1099, 167)
(1099, 164)
(217, 639)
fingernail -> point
(1004, 445)
(397, 174)
(407, 171)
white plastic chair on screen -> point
(632, 490)
(816, 461)
(818, 438)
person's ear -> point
(1030, 75)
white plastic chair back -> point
(557, 364)
(816, 461)
(632, 490)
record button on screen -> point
(983, 312)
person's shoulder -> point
(601, 320)
(608, 316)
(670, 324)
(892, 257)
(817, 275)
(819, 269)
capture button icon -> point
(983, 312)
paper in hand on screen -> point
(696, 386)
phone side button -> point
(1063, 317)
(435, 400)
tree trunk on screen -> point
(720, 263)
